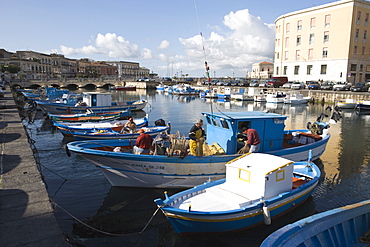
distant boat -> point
(275, 97)
(344, 226)
(347, 103)
(296, 98)
(257, 189)
(125, 88)
(175, 168)
(96, 101)
(363, 107)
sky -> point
(162, 35)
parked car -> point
(1, 93)
(287, 85)
(341, 86)
(328, 85)
(359, 87)
(234, 83)
(262, 84)
(313, 85)
(254, 83)
(297, 85)
(277, 81)
(242, 84)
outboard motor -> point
(317, 127)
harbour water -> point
(84, 196)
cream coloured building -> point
(326, 42)
(262, 70)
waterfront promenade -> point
(26, 214)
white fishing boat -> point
(347, 103)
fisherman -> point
(130, 126)
(197, 136)
(143, 144)
(252, 144)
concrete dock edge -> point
(26, 213)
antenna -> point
(204, 51)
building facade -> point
(262, 70)
(326, 42)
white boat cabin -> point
(97, 99)
(259, 175)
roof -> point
(260, 163)
(245, 115)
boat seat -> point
(297, 182)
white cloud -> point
(247, 40)
(112, 45)
(164, 45)
(242, 40)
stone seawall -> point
(333, 96)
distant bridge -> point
(80, 83)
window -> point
(355, 52)
(277, 70)
(327, 20)
(325, 52)
(358, 17)
(296, 69)
(353, 67)
(297, 55)
(277, 55)
(299, 25)
(286, 42)
(285, 70)
(310, 54)
(361, 67)
(309, 69)
(224, 124)
(366, 19)
(323, 69)
(312, 38)
(313, 23)
(287, 30)
(363, 52)
(365, 35)
(286, 55)
(326, 37)
(299, 40)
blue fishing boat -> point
(363, 107)
(111, 135)
(96, 101)
(67, 128)
(257, 189)
(345, 226)
(89, 116)
(173, 167)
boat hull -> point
(111, 135)
(160, 171)
(195, 222)
(341, 226)
(68, 128)
(60, 108)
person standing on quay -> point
(196, 136)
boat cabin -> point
(223, 128)
(259, 175)
(97, 98)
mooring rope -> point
(104, 232)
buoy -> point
(266, 214)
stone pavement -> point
(26, 215)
